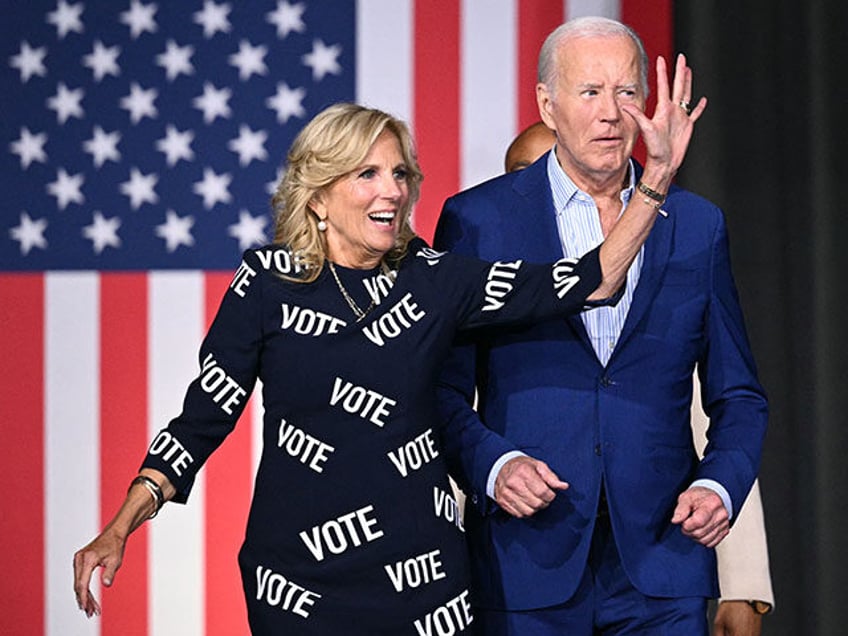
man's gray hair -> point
(591, 26)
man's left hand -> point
(702, 516)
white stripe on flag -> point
(72, 441)
(580, 8)
(176, 584)
(384, 50)
(488, 94)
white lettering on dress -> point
(213, 379)
(172, 451)
(380, 286)
(281, 259)
(303, 446)
(338, 535)
(415, 453)
(447, 507)
(563, 281)
(358, 400)
(452, 617)
(280, 592)
(416, 571)
(242, 278)
(498, 283)
(308, 322)
(401, 316)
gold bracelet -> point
(659, 197)
(656, 206)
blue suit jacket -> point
(543, 391)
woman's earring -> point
(322, 225)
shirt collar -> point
(564, 189)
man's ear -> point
(544, 102)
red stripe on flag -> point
(22, 430)
(123, 437)
(535, 22)
(228, 487)
(436, 110)
(656, 28)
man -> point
(600, 401)
(743, 565)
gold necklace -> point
(350, 301)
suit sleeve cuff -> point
(718, 489)
(496, 468)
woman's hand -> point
(107, 552)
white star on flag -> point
(139, 18)
(103, 60)
(249, 145)
(140, 188)
(66, 18)
(287, 102)
(29, 61)
(213, 18)
(176, 231)
(249, 60)
(287, 18)
(103, 232)
(213, 102)
(213, 188)
(176, 60)
(271, 186)
(29, 233)
(103, 146)
(66, 103)
(139, 103)
(66, 189)
(250, 230)
(176, 145)
(30, 147)
(322, 59)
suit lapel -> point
(657, 252)
(534, 218)
(543, 244)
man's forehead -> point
(592, 60)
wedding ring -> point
(684, 105)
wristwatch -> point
(760, 607)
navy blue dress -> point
(353, 527)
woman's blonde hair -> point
(332, 145)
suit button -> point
(606, 381)
(597, 449)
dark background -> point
(770, 151)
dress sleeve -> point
(228, 361)
(516, 292)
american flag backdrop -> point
(139, 143)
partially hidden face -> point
(595, 75)
(363, 208)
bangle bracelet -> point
(154, 489)
(656, 206)
(651, 193)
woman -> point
(353, 528)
